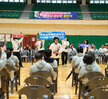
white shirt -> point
(40, 45)
(65, 44)
(54, 47)
(101, 50)
(105, 51)
(16, 45)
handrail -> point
(57, 11)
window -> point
(38, 1)
(106, 1)
(21, 0)
(96, 1)
(74, 1)
(56, 1)
(48, 1)
(99, 1)
(11, 0)
(70, 1)
(64, 1)
(42, 1)
(5, 0)
(53, 1)
(91, 1)
(16, 0)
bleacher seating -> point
(101, 8)
(12, 9)
(56, 7)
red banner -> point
(18, 35)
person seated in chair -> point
(77, 59)
(3, 58)
(13, 57)
(48, 59)
(89, 65)
(40, 65)
(10, 64)
(27, 47)
(96, 53)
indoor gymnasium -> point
(53, 49)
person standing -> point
(65, 45)
(106, 52)
(16, 48)
(40, 45)
(101, 50)
(56, 49)
(86, 46)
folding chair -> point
(46, 75)
(39, 80)
(88, 77)
(97, 93)
(24, 54)
(97, 82)
(35, 92)
(5, 76)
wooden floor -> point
(65, 91)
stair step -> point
(25, 15)
(86, 16)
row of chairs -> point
(100, 58)
(9, 14)
(11, 6)
(99, 15)
(96, 82)
(40, 84)
(6, 79)
(98, 8)
(29, 55)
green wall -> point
(9, 44)
(97, 40)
